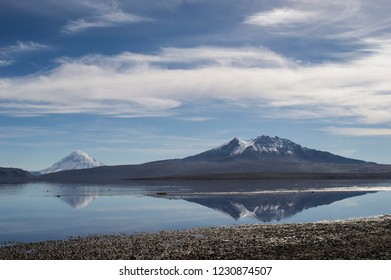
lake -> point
(41, 211)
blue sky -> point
(136, 81)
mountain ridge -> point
(262, 158)
(267, 148)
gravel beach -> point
(368, 239)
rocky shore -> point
(368, 239)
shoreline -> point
(363, 238)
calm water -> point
(35, 212)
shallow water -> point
(38, 211)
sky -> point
(132, 81)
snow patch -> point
(75, 160)
(261, 144)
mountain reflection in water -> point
(79, 197)
(41, 211)
(265, 207)
(78, 202)
(269, 207)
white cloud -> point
(197, 57)
(196, 119)
(282, 16)
(107, 20)
(107, 14)
(5, 62)
(327, 19)
(9, 52)
(134, 85)
(22, 47)
(358, 131)
(239, 57)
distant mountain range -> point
(75, 160)
(261, 158)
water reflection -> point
(269, 207)
(38, 211)
(78, 202)
(79, 197)
(265, 208)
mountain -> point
(269, 148)
(262, 158)
(14, 175)
(75, 160)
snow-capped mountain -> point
(266, 147)
(75, 160)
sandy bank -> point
(368, 238)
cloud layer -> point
(131, 84)
(354, 88)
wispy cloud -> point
(22, 47)
(282, 16)
(234, 57)
(5, 62)
(195, 119)
(190, 58)
(328, 19)
(8, 53)
(105, 15)
(358, 131)
(107, 20)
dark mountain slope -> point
(269, 148)
(14, 175)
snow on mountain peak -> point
(263, 144)
(80, 155)
(75, 160)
